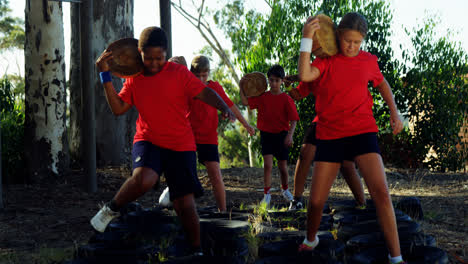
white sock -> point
(396, 259)
(311, 244)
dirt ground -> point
(44, 223)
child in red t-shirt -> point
(204, 121)
(307, 154)
(276, 119)
(346, 127)
(163, 142)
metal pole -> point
(88, 131)
(165, 19)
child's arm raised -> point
(244, 99)
(387, 95)
(210, 97)
(308, 73)
(241, 119)
(117, 105)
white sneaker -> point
(287, 195)
(266, 199)
(103, 217)
(164, 198)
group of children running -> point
(178, 120)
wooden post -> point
(165, 19)
(88, 74)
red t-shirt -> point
(204, 117)
(274, 111)
(343, 102)
(162, 101)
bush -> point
(12, 133)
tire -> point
(224, 237)
(290, 235)
(326, 249)
(411, 206)
(419, 255)
(206, 259)
(100, 253)
(339, 206)
(299, 222)
(116, 240)
(296, 260)
(407, 241)
(226, 216)
(346, 232)
(355, 216)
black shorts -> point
(338, 150)
(207, 152)
(273, 144)
(179, 167)
(309, 136)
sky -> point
(187, 41)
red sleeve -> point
(254, 102)
(292, 111)
(193, 86)
(305, 88)
(126, 92)
(320, 64)
(220, 91)
(376, 76)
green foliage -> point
(11, 29)
(436, 91)
(262, 40)
(233, 148)
(12, 132)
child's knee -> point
(145, 181)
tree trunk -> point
(75, 87)
(46, 145)
(114, 135)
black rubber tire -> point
(226, 216)
(224, 237)
(412, 206)
(298, 259)
(299, 221)
(418, 255)
(100, 253)
(354, 216)
(407, 241)
(290, 235)
(116, 240)
(338, 206)
(346, 232)
(327, 248)
(206, 259)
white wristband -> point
(306, 45)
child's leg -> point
(306, 157)
(348, 169)
(142, 180)
(323, 176)
(214, 172)
(372, 170)
(186, 210)
(283, 169)
(267, 168)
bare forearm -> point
(212, 98)
(244, 99)
(116, 104)
(239, 115)
(292, 127)
(387, 95)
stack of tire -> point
(360, 231)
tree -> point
(46, 145)
(436, 91)
(11, 29)
(114, 135)
(199, 22)
(260, 40)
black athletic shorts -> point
(338, 150)
(273, 144)
(179, 167)
(207, 152)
